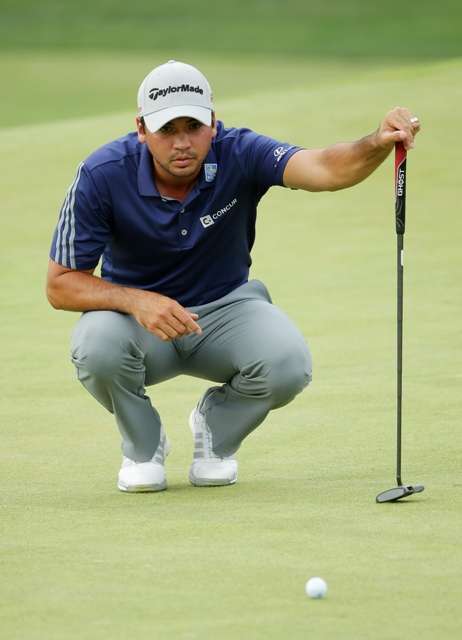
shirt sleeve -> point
(264, 159)
(83, 227)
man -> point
(171, 209)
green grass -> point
(83, 561)
(353, 28)
(50, 86)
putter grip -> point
(400, 187)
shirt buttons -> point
(184, 232)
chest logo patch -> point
(210, 171)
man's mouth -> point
(182, 161)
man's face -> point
(179, 147)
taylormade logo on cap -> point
(174, 90)
(155, 92)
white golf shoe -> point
(137, 477)
(208, 469)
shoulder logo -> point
(279, 152)
(210, 171)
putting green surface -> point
(83, 561)
(313, 27)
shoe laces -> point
(203, 448)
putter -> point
(402, 490)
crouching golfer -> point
(171, 209)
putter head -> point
(402, 491)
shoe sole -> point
(200, 482)
(142, 488)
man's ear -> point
(141, 129)
(214, 124)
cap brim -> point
(154, 121)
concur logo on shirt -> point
(210, 219)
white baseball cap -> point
(174, 90)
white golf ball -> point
(316, 588)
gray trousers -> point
(248, 345)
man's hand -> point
(399, 125)
(161, 315)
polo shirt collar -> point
(147, 185)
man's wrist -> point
(128, 299)
(378, 144)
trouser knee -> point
(279, 377)
(287, 376)
(102, 346)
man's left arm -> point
(345, 164)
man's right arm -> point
(73, 290)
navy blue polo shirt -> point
(194, 251)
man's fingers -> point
(188, 319)
(415, 124)
(193, 326)
(160, 334)
(399, 135)
(393, 136)
(179, 326)
(406, 125)
(185, 325)
(168, 330)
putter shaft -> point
(401, 491)
(399, 353)
(400, 215)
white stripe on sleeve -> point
(63, 223)
(72, 234)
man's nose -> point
(182, 141)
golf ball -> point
(316, 588)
